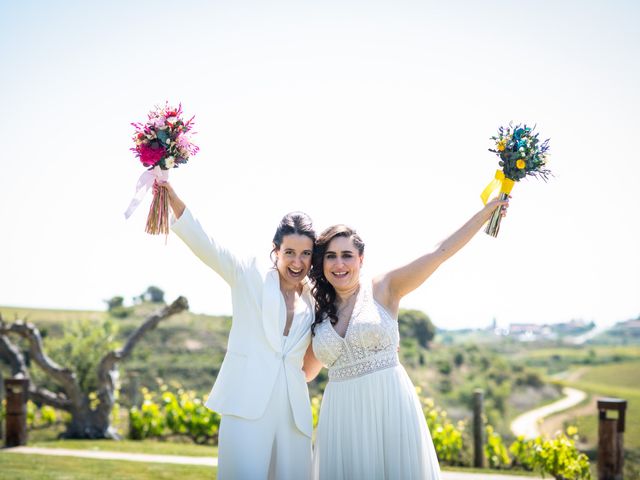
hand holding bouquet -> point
(161, 143)
(521, 153)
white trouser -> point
(270, 447)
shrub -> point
(447, 437)
(496, 452)
(560, 458)
(173, 413)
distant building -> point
(631, 324)
(629, 328)
(528, 332)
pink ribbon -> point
(145, 182)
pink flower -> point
(157, 122)
(150, 154)
(183, 141)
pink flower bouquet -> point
(161, 143)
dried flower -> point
(164, 136)
(150, 154)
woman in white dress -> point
(371, 424)
(260, 391)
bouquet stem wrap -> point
(158, 219)
(505, 185)
(145, 182)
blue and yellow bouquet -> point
(521, 153)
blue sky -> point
(376, 114)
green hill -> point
(188, 349)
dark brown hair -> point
(323, 291)
(291, 224)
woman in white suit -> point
(261, 391)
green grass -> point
(132, 446)
(20, 466)
(621, 380)
(41, 467)
(621, 375)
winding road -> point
(527, 423)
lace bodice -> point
(370, 342)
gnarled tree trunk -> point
(86, 422)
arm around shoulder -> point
(311, 365)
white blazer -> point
(255, 354)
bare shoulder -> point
(382, 293)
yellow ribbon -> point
(500, 181)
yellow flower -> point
(520, 164)
(502, 144)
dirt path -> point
(556, 422)
(528, 423)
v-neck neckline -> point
(298, 298)
(346, 332)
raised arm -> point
(206, 248)
(390, 287)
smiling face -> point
(341, 264)
(293, 259)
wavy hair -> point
(323, 291)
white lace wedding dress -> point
(371, 424)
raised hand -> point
(175, 203)
(495, 203)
